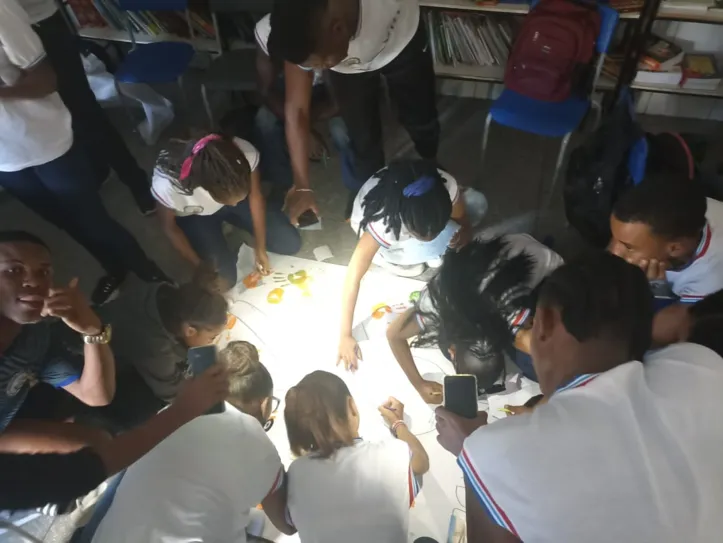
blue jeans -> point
(64, 192)
(205, 233)
(270, 138)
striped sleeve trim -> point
(379, 239)
(519, 319)
(68, 381)
(414, 482)
(690, 298)
(278, 482)
(35, 62)
(483, 494)
(260, 41)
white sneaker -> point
(402, 271)
(435, 263)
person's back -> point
(632, 454)
(197, 485)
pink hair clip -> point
(197, 147)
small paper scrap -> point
(323, 253)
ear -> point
(676, 249)
(188, 331)
(351, 407)
(266, 404)
(546, 319)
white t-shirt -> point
(166, 191)
(361, 494)
(630, 455)
(704, 275)
(38, 10)
(385, 28)
(545, 261)
(32, 131)
(378, 229)
(199, 484)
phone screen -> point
(199, 360)
(460, 395)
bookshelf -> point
(495, 74)
(111, 34)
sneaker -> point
(106, 289)
(402, 271)
(435, 263)
(145, 202)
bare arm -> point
(275, 508)
(257, 204)
(266, 75)
(176, 236)
(420, 460)
(36, 82)
(359, 264)
(26, 436)
(96, 386)
(398, 335)
(297, 113)
(459, 212)
(480, 528)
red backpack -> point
(550, 59)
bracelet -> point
(303, 190)
(395, 426)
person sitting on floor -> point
(269, 122)
(201, 483)
(405, 215)
(629, 450)
(202, 184)
(154, 325)
(667, 227)
(39, 326)
(474, 308)
(342, 488)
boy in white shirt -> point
(674, 233)
(42, 167)
(201, 483)
(359, 41)
(622, 450)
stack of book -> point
(107, 14)
(469, 39)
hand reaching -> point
(431, 392)
(298, 201)
(453, 429)
(199, 394)
(349, 353)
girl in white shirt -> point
(200, 186)
(406, 214)
(342, 488)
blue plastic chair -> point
(157, 62)
(552, 119)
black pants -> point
(91, 127)
(411, 83)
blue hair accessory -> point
(419, 187)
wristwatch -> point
(100, 339)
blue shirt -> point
(39, 353)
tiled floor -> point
(516, 167)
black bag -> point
(598, 172)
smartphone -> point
(460, 395)
(199, 360)
(307, 218)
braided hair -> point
(477, 291)
(216, 165)
(410, 193)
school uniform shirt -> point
(385, 28)
(38, 10)
(544, 259)
(362, 493)
(169, 194)
(704, 275)
(40, 352)
(378, 229)
(199, 484)
(632, 454)
(32, 131)
(141, 341)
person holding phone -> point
(475, 310)
(201, 483)
(341, 487)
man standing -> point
(91, 127)
(36, 349)
(359, 41)
(621, 450)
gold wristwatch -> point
(100, 339)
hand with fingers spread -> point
(70, 305)
(349, 353)
(391, 411)
(199, 394)
(453, 429)
(297, 201)
(263, 266)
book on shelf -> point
(468, 38)
(687, 5)
(661, 55)
(700, 72)
(613, 65)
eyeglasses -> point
(275, 403)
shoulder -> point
(20, 42)
(250, 152)
(545, 259)
(690, 354)
(164, 190)
(262, 31)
